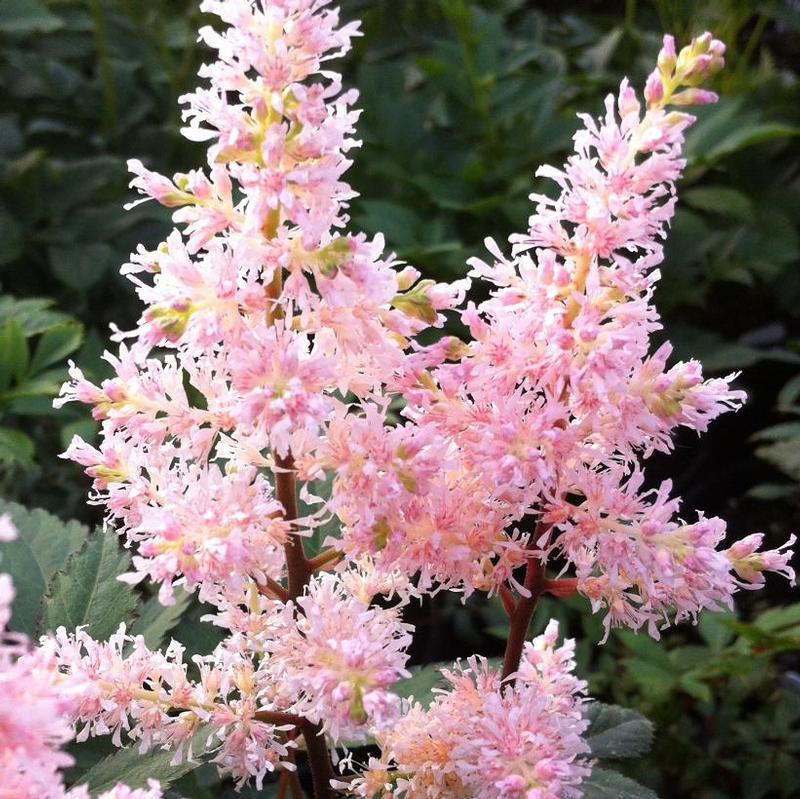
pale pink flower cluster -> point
(482, 738)
(328, 657)
(338, 659)
(119, 791)
(31, 736)
(276, 346)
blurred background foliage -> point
(462, 100)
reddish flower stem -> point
(299, 572)
(325, 558)
(296, 563)
(319, 760)
(274, 589)
(562, 588)
(509, 603)
(521, 616)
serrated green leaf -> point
(43, 545)
(87, 592)
(55, 344)
(606, 784)
(694, 686)
(616, 732)
(134, 769)
(156, 620)
(16, 448)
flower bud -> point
(694, 97)
(654, 89)
(666, 58)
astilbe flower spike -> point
(271, 348)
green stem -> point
(106, 72)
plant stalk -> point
(521, 616)
(299, 572)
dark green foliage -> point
(42, 549)
(66, 576)
(135, 769)
(88, 594)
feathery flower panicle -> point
(270, 314)
(129, 690)
(275, 346)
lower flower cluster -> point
(31, 757)
(487, 738)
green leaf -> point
(134, 769)
(45, 384)
(320, 489)
(43, 545)
(55, 344)
(651, 676)
(789, 394)
(85, 428)
(16, 448)
(33, 313)
(769, 492)
(156, 620)
(779, 619)
(616, 732)
(399, 224)
(12, 240)
(87, 592)
(720, 200)
(783, 455)
(714, 631)
(27, 16)
(605, 784)
(694, 686)
(198, 637)
(14, 356)
(80, 266)
(746, 135)
(776, 432)
(421, 683)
